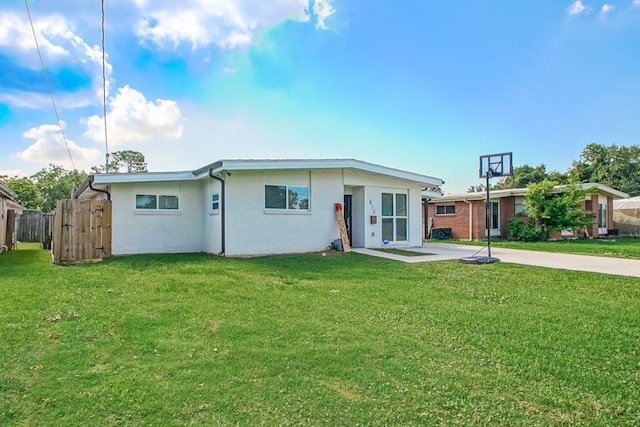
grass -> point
(617, 248)
(344, 339)
(403, 252)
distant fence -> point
(34, 226)
(81, 231)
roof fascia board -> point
(498, 194)
(231, 165)
(7, 192)
(126, 178)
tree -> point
(41, 190)
(27, 193)
(56, 183)
(526, 174)
(131, 161)
(476, 188)
(553, 210)
(615, 166)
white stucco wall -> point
(253, 230)
(138, 231)
(373, 187)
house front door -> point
(603, 218)
(348, 203)
(493, 219)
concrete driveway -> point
(448, 251)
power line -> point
(46, 77)
(104, 95)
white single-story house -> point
(256, 207)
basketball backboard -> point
(496, 165)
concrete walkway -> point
(448, 251)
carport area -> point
(449, 251)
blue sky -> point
(425, 86)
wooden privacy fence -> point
(82, 231)
(34, 226)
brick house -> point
(465, 213)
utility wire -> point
(104, 95)
(46, 77)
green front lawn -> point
(343, 339)
(618, 248)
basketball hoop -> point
(491, 166)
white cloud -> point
(636, 2)
(225, 23)
(606, 9)
(12, 173)
(132, 118)
(60, 47)
(322, 9)
(576, 8)
(49, 147)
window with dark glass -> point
(157, 202)
(445, 209)
(292, 197)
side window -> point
(215, 202)
(445, 209)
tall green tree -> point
(526, 174)
(41, 190)
(55, 183)
(27, 193)
(557, 210)
(615, 166)
(128, 160)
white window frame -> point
(494, 228)
(157, 209)
(287, 208)
(395, 217)
(214, 206)
(445, 206)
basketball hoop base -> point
(478, 260)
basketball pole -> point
(488, 215)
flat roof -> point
(7, 192)
(498, 194)
(275, 164)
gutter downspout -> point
(222, 211)
(97, 189)
(470, 218)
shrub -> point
(521, 229)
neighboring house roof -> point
(498, 194)
(6, 192)
(10, 204)
(233, 165)
(630, 203)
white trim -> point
(125, 178)
(498, 194)
(156, 212)
(287, 212)
(231, 165)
